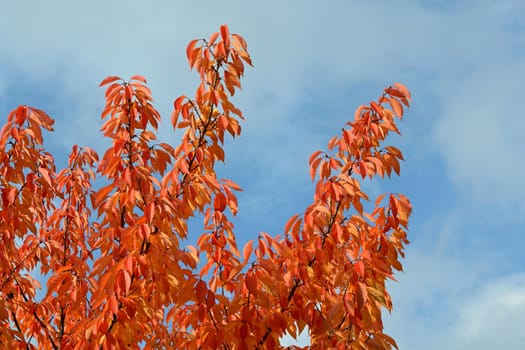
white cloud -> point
(486, 314)
(446, 303)
(480, 136)
(493, 316)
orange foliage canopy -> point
(118, 273)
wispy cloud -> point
(480, 135)
(463, 308)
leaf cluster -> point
(119, 271)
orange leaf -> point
(290, 222)
(113, 305)
(379, 199)
(322, 209)
(395, 152)
(362, 169)
(362, 294)
(139, 78)
(359, 268)
(397, 107)
(240, 41)
(212, 38)
(403, 89)
(177, 103)
(348, 136)
(150, 212)
(129, 264)
(313, 167)
(251, 282)
(376, 108)
(127, 280)
(223, 122)
(109, 79)
(101, 195)
(45, 174)
(359, 110)
(189, 50)
(183, 166)
(247, 251)
(10, 195)
(221, 49)
(314, 156)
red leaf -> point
(225, 33)
(21, 114)
(219, 203)
(201, 291)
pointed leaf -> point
(108, 80)
(139, 78)
(247, 251)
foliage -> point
(119, 273)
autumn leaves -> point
(120, 273)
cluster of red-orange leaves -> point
(118, 272)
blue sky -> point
(315, 62)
